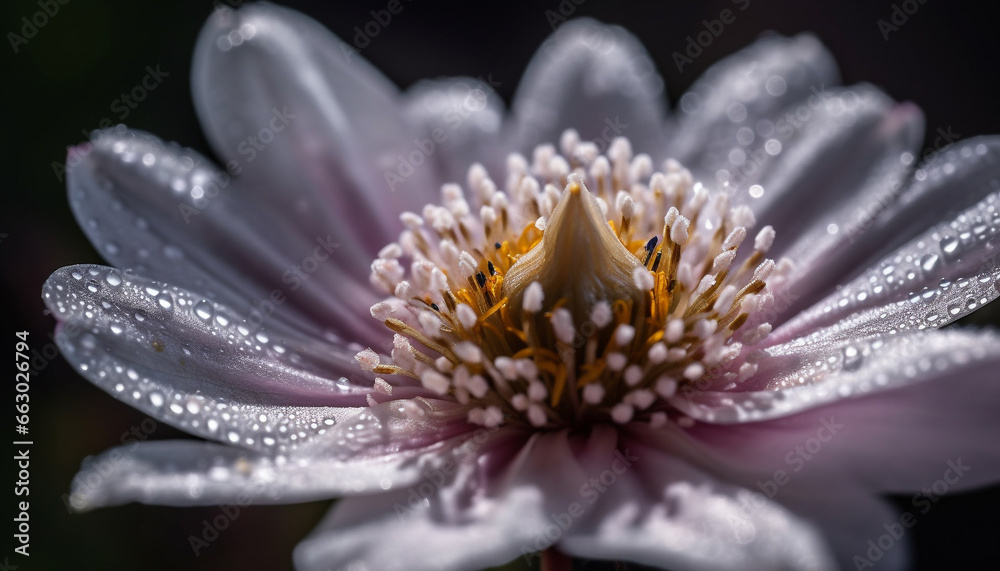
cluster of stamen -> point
(589, 288)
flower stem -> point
(555, 560)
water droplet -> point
(949, 246)
(233, 437)
(92, 286)
(852, 358)
(77, 275)
(165, 300)
(932, 317)
(262, 338)
(955, 308)
(156, 399)
(203, 309)
(971, 303)
(113, 278)
(212, 424)
(116, 328)
(193, 407)
(176, 408)
(173, 252)
(929, 262)
(140, 316)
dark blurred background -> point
(62, 82)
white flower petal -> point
(159, 210)
(464, 520)
(799, 376)
(197, 365)
(186, 473)
(843, 508)
(596, 79)
(662, 511)
(462, 116)
(849, 144)
(943, 273)
(314, 127)
(741, 90)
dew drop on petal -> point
(852, 358)
(929, 262)
(203, 309)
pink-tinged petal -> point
(940, 407)
(159, 210)
(850, 144)
(943, 273)
(596, 79)
(827, 238)
(654, 508)
(476, 515)
(315, 130)
(843, 509)
(461, 117)
(187, 473)
(735, 102)
(194, 364)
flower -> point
(711, 360)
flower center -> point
(592, 289)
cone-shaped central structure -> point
(579, 260)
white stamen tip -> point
(536, 415)
(622, 413)
(466, 315)
(694, 371)
(382, 386)
(735, 238)
(624, 335)
(616, 361)
(435, 381)
(643, 278)
(601, 314)
(679, 231)
(674, 330)
(368, 359)
(593, 393)
(562, 324)
(666, 387)
(764, 239)
(632, 375)
(533, 297)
